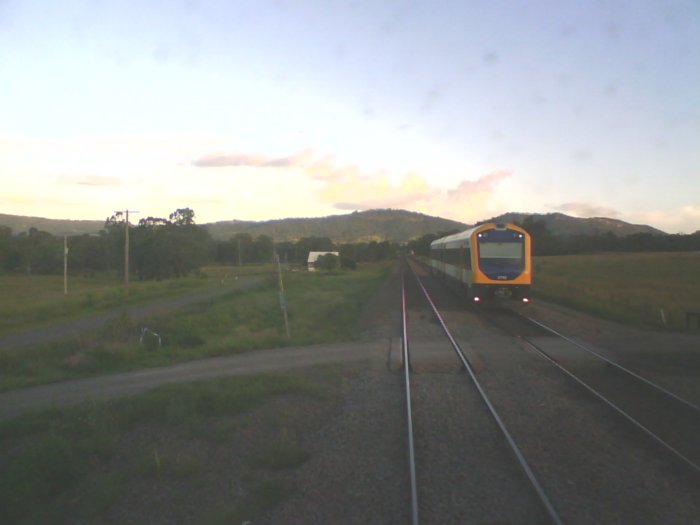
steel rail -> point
(679, 455)
(659, 388)
(409, 410)
(546, 503)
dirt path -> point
(63, 329)
(17, 402)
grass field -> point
(631, 287)
(198, 452)
(75, 464)
(322, 307)
(32, 300)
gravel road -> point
(17, 402)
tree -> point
(169, 248)
(328, 262)
(422, 246)
(543, 242)
(263, 248)
(285, 250)
(182, 217)
(10, 255)
(242, 248)
(40, 252)
(312, 244)
(91, 253)
(348, 256)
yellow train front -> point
(491, 261)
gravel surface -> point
(594, 466)
(670, 358)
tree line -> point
(161, 248)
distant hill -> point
(365, 226)
(372, 225)
(58, 227)
(560, 224)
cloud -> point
(685, 219)
(12, 199)
(250, 160)
(348, 187)
(484, 186)
(691, 212)
(365, 193)
(586, 209)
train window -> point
(501, 251)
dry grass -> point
(27, 301)
(323, 307)
(75, 464)
(630, 287)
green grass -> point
(281, 455)
(323, 307)
(27, 301)
(262, 497)
(630, 287)
(65, 463)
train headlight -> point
(526, 300)
(477, 299)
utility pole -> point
(126, 248)
(283, 298)
(65, 265)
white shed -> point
(313, 257)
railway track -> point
(607, 444)
(548, 511)
(668, 420)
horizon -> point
(288, 108)
(468, 225)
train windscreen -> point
(501, 253)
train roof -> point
(468, 233)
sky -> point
(257, 110)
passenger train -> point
(491, 261)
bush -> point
(328, 261)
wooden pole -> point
(126, 252)
(126, 248)
(283, 298)
(65, 265)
